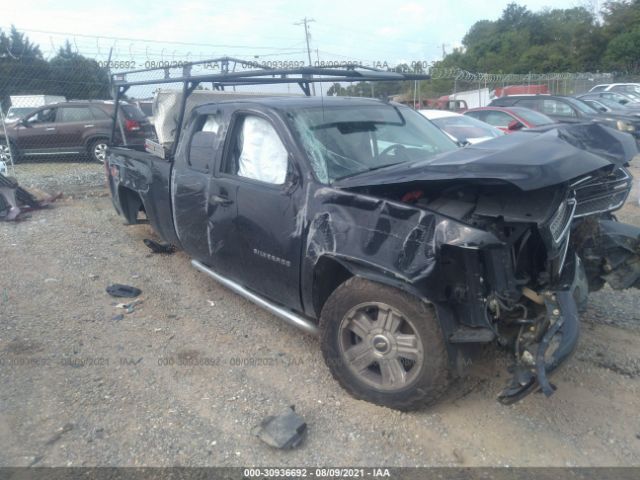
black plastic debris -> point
(285, 431)
(119, 290)
(159, 247)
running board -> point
(285, 314)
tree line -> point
(553, 40)
(23, 70)
(521, 41)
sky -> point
(367, 31)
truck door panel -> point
(261, 249)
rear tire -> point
(384, 345)
(98, 150)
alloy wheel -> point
(381, 346)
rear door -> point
(255, 199)
(194, 214)
(71, 124)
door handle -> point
(89, 126)
(50, 129)
(218, 200)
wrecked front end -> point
(501, 262)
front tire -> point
(384, 345)
(8, 154)
(98, 150)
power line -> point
(305, 21)
(148, 40)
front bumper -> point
(555, 346)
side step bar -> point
(286, 315)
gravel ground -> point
(78, 176)
(184, 378)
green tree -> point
(78, 77)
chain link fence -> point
(56, 124)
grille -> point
(559, 224)
(602, 194)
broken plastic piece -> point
(283, 431)
(119, 290)
(158, 247)
(130, 307)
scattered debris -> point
(159, 247)
(211, 303)
(119, 290)
(285, 431)
(93, 276)
(457, 454)
(15, 200)
(130, 307)
(58, 435)
(50, 280)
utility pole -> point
(306, 21)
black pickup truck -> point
(359, 220)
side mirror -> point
(515, 125)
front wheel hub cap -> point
(381, 346)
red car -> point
(510, 119)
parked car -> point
(462, 129)
(509, 119)
(571, 110)
(617, 87)
(606, 105)
(73, 128)
(362, 222)
(623, 98)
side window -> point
(531, 103)
(477, 115)
(73, 114)
(256, 152)
(497, 119)
(99, 114)
(47, 115)
(554, 107)
(205, 142)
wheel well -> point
(328, 275)
(92, 140)
(130, 203)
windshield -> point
(466, 129)
(347, 140)
(612, 104)
(582, 106)
(533, 117)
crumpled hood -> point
(529, 159)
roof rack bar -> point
(226, 77)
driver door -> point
(254, 236)
(39, 132)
